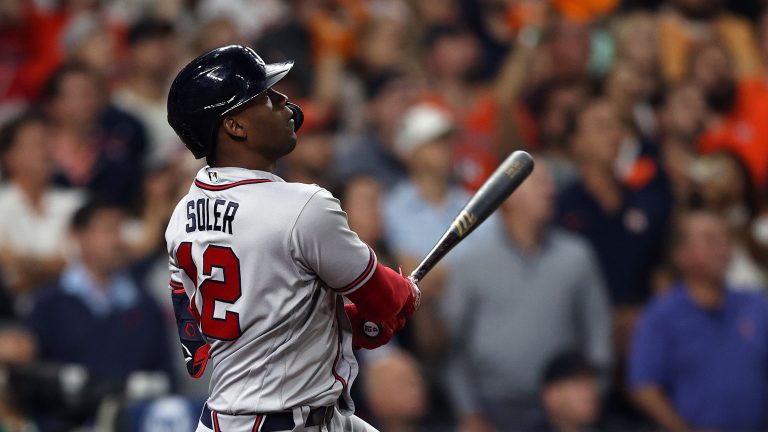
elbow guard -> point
(193, 346)
(384, 295)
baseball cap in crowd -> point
(567, 366)
(420, 125)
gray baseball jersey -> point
(264, 263)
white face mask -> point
(760, 230)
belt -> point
(275, 421)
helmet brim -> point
(274, 72)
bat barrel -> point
(507, 177)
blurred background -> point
(621, 288)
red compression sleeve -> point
(383, 295)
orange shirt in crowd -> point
(30, 52)
(744, 131)
(337, 33)
(678, 39)
(585, 10)
(477, 149)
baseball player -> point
(260, 267)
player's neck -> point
(249, 161)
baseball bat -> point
(507, 177)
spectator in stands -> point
(681, 119)
(145, 238)
(213, 33)
(637, 43)
(312, 161)
(725, 187)
(29, 50)
(624, 223)
(418, 209)
(395, 390)
(17, 344)
(35, 215)
(685, 24)
(570, 395)
(94, 145)
(95, 314)
(361, 198)
(87, 39)
(429, 196)
(515, 301)
(569, 50)
(698, 356)
(628, 90)
(17, 347)
(154, 55)
(553, 105)
(389, 95)
(737, 110)
(452, 57)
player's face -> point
(268, 125)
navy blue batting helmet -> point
(215, 84)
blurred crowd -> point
(622, 287)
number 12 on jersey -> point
(227, 290)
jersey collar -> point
(228, 177)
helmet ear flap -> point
(298, 115)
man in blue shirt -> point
(700, 353)
(95, 314)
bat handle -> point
(419, 273)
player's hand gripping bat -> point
(507, 177)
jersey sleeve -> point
(322, 242)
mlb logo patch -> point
(213, 176)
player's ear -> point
(234, 128)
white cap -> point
(420, 125)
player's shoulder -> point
(300, 190)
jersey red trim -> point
(336, 360)
(257, 423)
(215, 421)
(176, 285)
(363, 275)
(222, 187)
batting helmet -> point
(212, 86)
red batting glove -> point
(369, 335)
